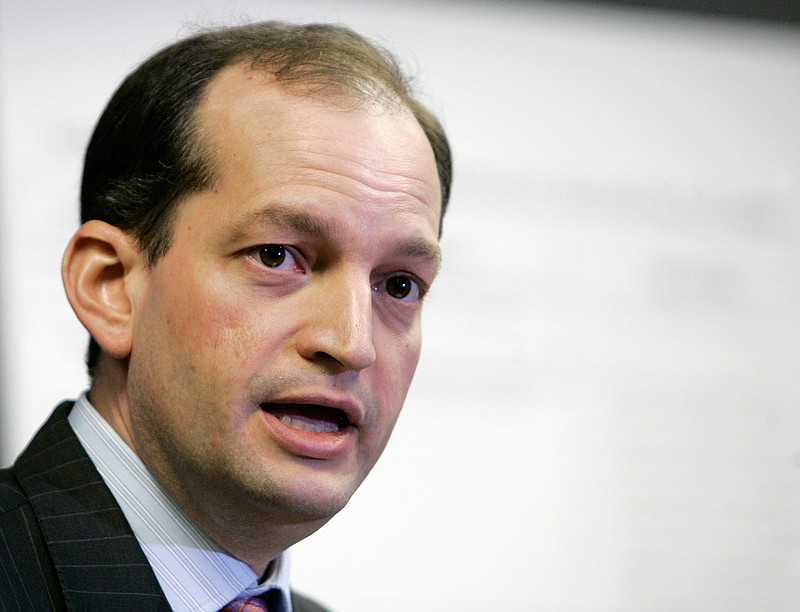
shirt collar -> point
(193, 571)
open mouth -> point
(309, 417)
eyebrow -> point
(322, 229)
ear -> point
(99, 264)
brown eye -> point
(402, 287)
(272, 255)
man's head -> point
(252, 271)
(147, 153)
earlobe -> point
(97, 271)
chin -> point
(305, 508)
(309, 497)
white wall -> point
(607, 412)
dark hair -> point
(145, 154)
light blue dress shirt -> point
(193, 571)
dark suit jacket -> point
(64, 542)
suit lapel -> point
(97, 558)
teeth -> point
(315, 427)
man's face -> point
(275, 342)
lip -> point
(315, 445)
(351, 408)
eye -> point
(403, 287)
(277, 256)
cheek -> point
(397, 362)
(189, 357)
(208, 324)
(393, 373)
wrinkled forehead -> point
(251, 110)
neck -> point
(255, 532)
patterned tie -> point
(246, 604)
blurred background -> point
(607, 412)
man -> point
(261, 209)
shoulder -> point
(27, 575)
(300, 603)
(41, 454)
(11, 494)
(28, 578)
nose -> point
(338, 330)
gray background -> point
(607, 411)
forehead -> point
(249, 122)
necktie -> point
(246, 604)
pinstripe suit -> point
(64, 542)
